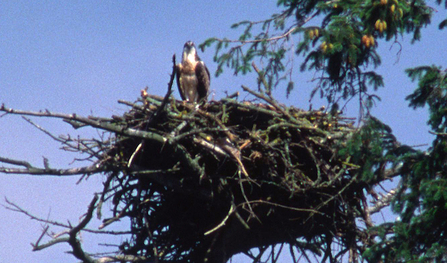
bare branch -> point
(74, 242)
(221, 224)
(37, 247)
(71, 240)
(44, 130)
(101, 124)
(15, 162)
(384, 201)
(271, 101)
(31, 170)
(274, 38)
(45, 230)
(14, 207)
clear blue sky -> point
(82, 56)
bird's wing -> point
(179, 81)
(203, 79)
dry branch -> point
(29, 169)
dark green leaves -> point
(420, 235)
(338, 40)
(370, 148)
(431, 91)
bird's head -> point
(189, 51)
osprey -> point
(193, 77)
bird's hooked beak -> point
(189, 45)
(189, 48)
(189, 51)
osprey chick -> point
(193, 77)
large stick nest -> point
(208, 182)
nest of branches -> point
(205, 183)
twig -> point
(285, 35)
(45, 230)
(129, 163)
(14, 207)
(43, 130)
(14, 162)
(104, 125)
(210, 146)
(182, 136)
(271, 102)
(384, 201)
(176, 130)
(442, 134)
(221, 224)
(161, 108)
(72, 239)
(224, 128)
(122, 258)
(37, 247)
(115, 218)
(262, 77)
(106, 184)
(74, 242)
(31, 170)
(284, 206)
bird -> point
(193, 77)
